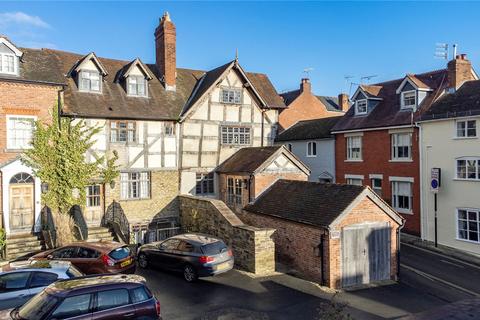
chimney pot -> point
(305, 85)
(166, 51)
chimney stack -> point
(343, 102)
(306, 86)
(166, 51)
(459, 71)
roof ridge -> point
(380, 84)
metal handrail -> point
(116, 220)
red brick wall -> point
(266, 179)
(305, 107)
(376, 154)
(23, 99)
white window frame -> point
(476, 167)
(137, 85)
(89, 89)
(395, 184)
(93, 199)
(467, 221)
(350, 178)
(9, 128)
(394, 141)
(236, 135)
(234, 95)
(375, 188)
(357, 112)
(135, 185)
(311, 147)
(3, 58)
(402, 99)
(350, 145)
(465, 129)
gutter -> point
(34, 82)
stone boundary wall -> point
(253, 248)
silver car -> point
(19, 281)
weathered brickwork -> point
(23, 99)
(266, 179)
(376, 155)
(253, 248)
(162, 202)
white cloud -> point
(21, 18)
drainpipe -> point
(322, 259)
(263, 130)
(398, 247)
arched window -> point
(311, 149)
(21, 177)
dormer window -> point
(9, 57)
(409, 99)
(137, 86)
(231, 96)
(361, 107)
(7, 63)
(89, 81)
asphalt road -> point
(428, 281)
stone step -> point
(21, 240)
(24, 244)
(24, 250)
(98, 230)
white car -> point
(19, 281)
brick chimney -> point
(166, 51)
(459, 71)
(343, 102)
(305, 85)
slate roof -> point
(313, 203)
(464, 102)
(55, 66)
(387, 112)
(330, 103)
(309, 129)
(247, 160)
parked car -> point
(20, 281)
(96, 257)
(196, 255)
(107, 297)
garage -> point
(338, 235)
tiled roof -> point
(309, 129)
(387, 112)
(247, 160)
(313, 203)
(464, 102)
(330, 103)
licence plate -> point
(125, 263)
(223, 266)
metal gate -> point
(365, 254)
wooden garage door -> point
(365, 254)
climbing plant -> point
(58, 158)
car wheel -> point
(189, 273)
(143, 261)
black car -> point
(107, 297)
(195, 255)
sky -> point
(282, 39)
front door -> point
(21, 207)
(94, 206)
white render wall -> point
(323, 163)
(439, 149)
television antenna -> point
(307, 71)
(347, 80)
(367, 78)
(441, 51)
(351, 86)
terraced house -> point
(377, 141)
(170, 127)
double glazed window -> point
(134, 185)
(409, 99)
(19, 131)
(466, 128)
(468, 168)
(7, 63)
(231, 96)
(354, 148)
(311, 149)
(402, 199)
(234, 190)
(236, 135)
(468, 224)
(361, 107)
(122, 131)
(137, 86)
(90, 81)
(204, 184)
(401, 146)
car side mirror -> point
(50, 257)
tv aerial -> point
(307, 71)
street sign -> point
(435, 179)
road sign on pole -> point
(435, 179)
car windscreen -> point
(214, 248)
(37, 307)
(120, 253)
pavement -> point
(429, 281)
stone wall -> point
(162, 202)
(253, 248)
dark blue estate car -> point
(195, 255)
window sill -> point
(468, 241)
(404, 211)
(467, 180)
(136, 96)
(400, 160)
(353, 160)
(135, 199)
(311, 156)
(86, 91)
(465, 138)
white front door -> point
(21, 207)
(94, 207)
